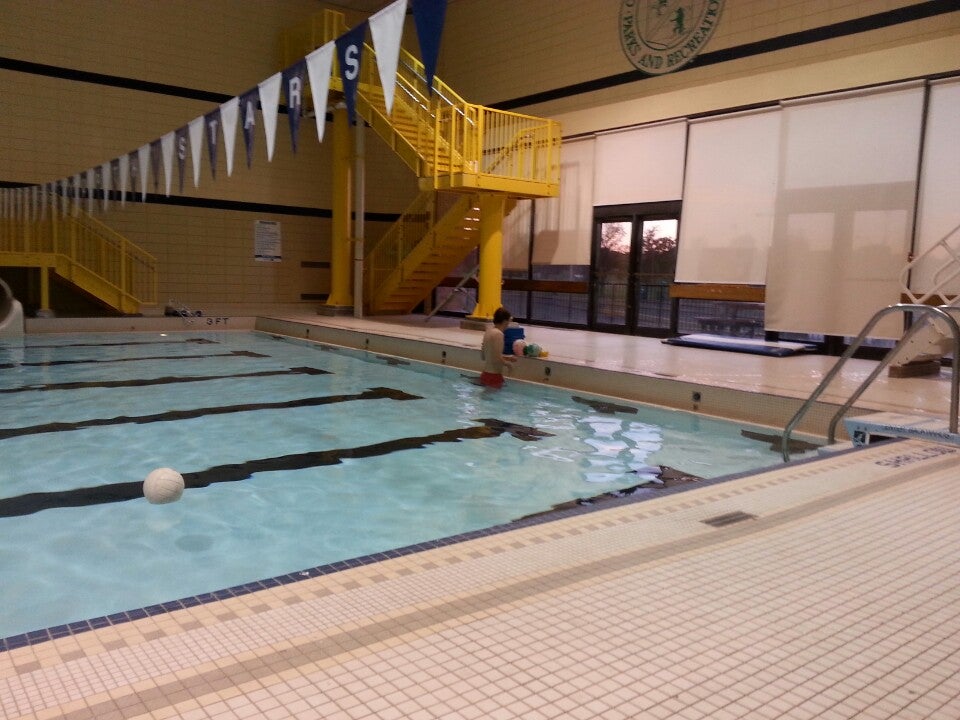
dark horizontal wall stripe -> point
(110, 80)
(920, 11)
(217, 204)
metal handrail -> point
(942, 312)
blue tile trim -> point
(36, 637)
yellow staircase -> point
(81, 250)
(457, 151)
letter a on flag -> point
(349, 53)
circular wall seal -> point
(660, 36)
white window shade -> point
(728, 199)
(641, 165)
(844, 205)
(516, 237)
(939, 207)
(563, 226)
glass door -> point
(653, 274)
(633, 265)
(610, 281)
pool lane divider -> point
(168, 380)
(50, 363)
(378, 393)
(120, 492)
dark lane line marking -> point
(50, 363)
(120, 492)
(379, 393)
(160, 380)
(197, 341)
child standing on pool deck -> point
(494, 359)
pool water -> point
(295, 454)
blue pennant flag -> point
(211, 123)
(428, 16)
(293, 92)
(349, 53)
(248, 119)
(180, 149)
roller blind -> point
(564, 224)
(844, 208)
(729, 195)
(640, 165)
(939, 206)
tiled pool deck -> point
(825, 589)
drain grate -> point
(729, 519)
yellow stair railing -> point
(448, 142)
(84, 251)
(429, 240)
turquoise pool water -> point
(296, 455)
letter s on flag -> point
(353, 64)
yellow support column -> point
(490, 279)
(341, 295)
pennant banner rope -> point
(129, 172)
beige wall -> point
(539, 45)
(51, 128)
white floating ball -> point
(163, 485)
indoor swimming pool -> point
(295, 455)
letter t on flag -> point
(349, 53)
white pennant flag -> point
(91, 184)
(77, 179)
(386, 27)
(143, 161)
(124, 178)
(228, 123)
(105, 181)
(269, 102)
(166, 146)
(196, 128)
(319, 64)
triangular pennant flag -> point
(91, 184)
(228, 120)
(428, 16)
(105, 183)
(115, 177)
(269, 102)
(248, 114)
(386, 27)
(211, 121)
(350, 54)
(156, 160)
(124, 173)
(293, 91)
(166, 143)
(144, 159)
(134, 163)
(181, 150)
(319, 63)
(195, 127)
(76, 194)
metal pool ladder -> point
(942, 312)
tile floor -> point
(825, 589)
